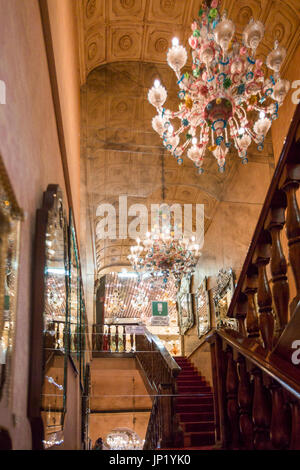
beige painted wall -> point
(64, 32)
(117, 386)
(229, 234)
(101, 424)
(281, 126)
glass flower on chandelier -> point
(227, 86)
(161, 254)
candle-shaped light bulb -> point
(175, 42)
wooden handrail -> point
(256, 400)
(243, 345)
(169, 360)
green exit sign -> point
(159, 309)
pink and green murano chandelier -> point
(228, 99)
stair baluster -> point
(264, 296)
(232, 402)
(245, 397)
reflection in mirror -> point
(55, 309)
(10, 220)
(74, 293)
(223, 293)
(202, 308)
(185, 307)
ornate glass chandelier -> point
(123, 439)
(161, 254)
(114, 304)
(227, 98)
(140, 301)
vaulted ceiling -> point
(123, 49)
(141, 30)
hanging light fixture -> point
(227, 83)
(165, 250)
(140, 301)
(114, 304)
(161, 255)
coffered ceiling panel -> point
(115, 30)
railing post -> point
(250, 290)
(232, 403)
(295, 434)
(281, 422)
(274, 224)
(289, 182)
(241, 314)
(245, 403)
(165, 412)
(264, 296)
(261, 412)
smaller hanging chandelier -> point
(226, 99)
(160, 255)
(114, 304)
(140, 301)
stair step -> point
(189, 376)
(197, 382)
(196, 417)
(199, 426)
(194, 400)
(195, 389)
(184, 367)
(200, 438)
(194, 408)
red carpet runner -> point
(194, 407)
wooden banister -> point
(256, 400)
(256, 379)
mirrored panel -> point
(74, 297)
(203, 309)
(222, 296)
(54, 283)
(185, 312)
(10, 220)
